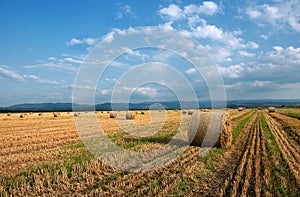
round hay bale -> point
(101, 112)
(9, 114)
(56, 114)
(210, 130)
(190, 112)
(112, 114)
(240, 109)
(23, 115)
(272, 109)
(205, 110)
(183, 112)
(76, 114)
(130, 115)
(142, 112)
(40, 114)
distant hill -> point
(43, 107)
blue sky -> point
(255, 45)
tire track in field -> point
(289, 150)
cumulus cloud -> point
(207, 7)
(283, 13)
(53, 65)
(246, 54)
(105, 92)
(7, 73)
(173, 12)
(84, 41)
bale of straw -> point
(240, 109)
(40, 114)
(56, 114)
(272, 109)
(190, 112)
(259, 108)
(9, 114)
(205, 110)
(183, 112)
(23, 115)
(210, 129)
(76, 114)
(142, 112)
(112, 114)
(130, 115)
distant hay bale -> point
(56, 114)
(205, 110)
(23, 115)
(259, 108)
(9, 114)
(76, 114)
(101, 112)
(112, 114)
(190, 112)
(142, 112)
(240, 109)
(183, 112)
(130, 115)
(210, 130)
(40, 114)
(272, 109)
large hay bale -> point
(272, 109)
(130, 115)
(142, 112)
(183, 112)
(210, 129)
(240, 109)
(112, 114)
(190, 112)
(56, 114)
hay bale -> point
(240, 109)
(56, 114)
(142, 112)
(130, 115)
(76, 114)
(272, 109)
(9, 114)
(190, 112)
(205, 110)
(183, 112)
(210, 130)
(40, 114)
(23, 115)
(112, 114)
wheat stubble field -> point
(42, 155)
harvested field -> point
(43, 155)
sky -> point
(255, 46)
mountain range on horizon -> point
(147, 105)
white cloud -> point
(207, 7)
(9, 74)
(53, 65)
(40, 80)
(124, 11)
(246, 54)
(283, 13)
(143, 91)
(105, 92)
(85, 41)
(72, 60)
(233, 71)
(173, 13)
(191, 71)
